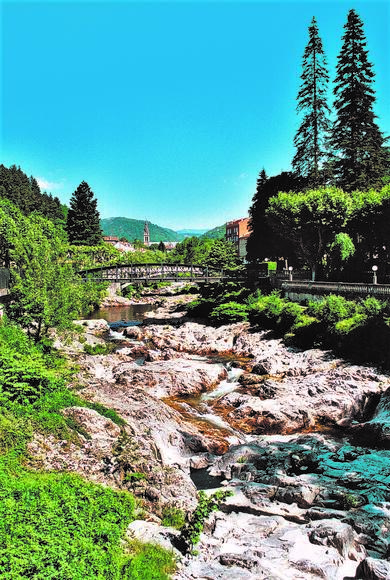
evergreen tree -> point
(263, 242)
(311, 136)
(361, 158)
(83, 220)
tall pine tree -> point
(310, 140)
(83, 220)
(361, 158)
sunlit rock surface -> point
(308, 502)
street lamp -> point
(374, 278)
(290, 270)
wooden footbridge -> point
(139, 273)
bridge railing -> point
(134, 272)
(351, 288)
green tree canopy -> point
(45, 291)
(25, 193)
(83, 220)
(263, 241)
(311, 219)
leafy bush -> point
(173, 517)
(59, 526)
(200, 308)
(332, 309)
(24, 373)
(106, 348)
(229, 313)
(106, 412)
(149, 562)
(346, 325)
(274, 312)
(190, 534)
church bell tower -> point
(146, 234)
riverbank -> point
(309, 502)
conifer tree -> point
(263, 242)
(310, 140)
(83, 220)
(360, 154)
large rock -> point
(243, 545)
(377, 430)
(372, 569)
(291, 404)
(167, 378)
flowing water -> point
(195, 409)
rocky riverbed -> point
(301, 437)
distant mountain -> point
(217, 233)
(134, 230)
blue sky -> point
(168, 110)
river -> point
(290, 476)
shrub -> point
(332, 309)
(274, 312)
(149, 562)
(200, 308)
(229, 313)
(24, 372)
(173, 517)
(206, 504)
(106, 348)
(59, 526)
(346, 325)
(306, 332)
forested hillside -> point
(26, 194)
(217, 233)
(133, 229)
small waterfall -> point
(226, 386)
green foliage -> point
(312, 134)
(59, 526)
(214, 253)
(311, 219)
(106, 412)
(263, 242)
(83, 220)
(135, 476)
(360, 156)
(200, 308)
(24, 375)
(217, 233)
(173, 517)
(274, 312)
(343, 246)
(206, 505)
(332, 309)
(84, 257)
(45, 292)
(106, 348)
(149, 562)
(24, 192)
(229, 312)
(54, 525)
(218, 294)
